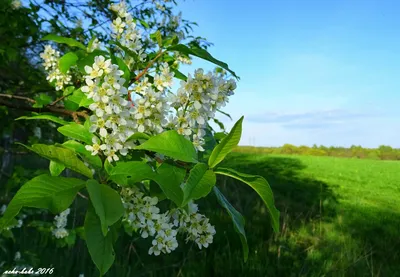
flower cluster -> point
(143, 215)
(197, 100)
(60, 221)
(179, 58)
(51, 58)
(196, 226)
(124, 30)
(111, 117)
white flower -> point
(50, 62)
(96, 147)
(118, 26)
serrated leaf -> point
(69, 41)
(67, 61)
(100, 247)
(201, 53)
(106, 202)
(199, 184)
(171, 144)
(44, 192)
(83, 153)
(46, 117)
(61, 155)
(237, 219)
(56, 168)
(77, 131)
(261, 186)
(226, 145)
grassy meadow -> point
(339, 217)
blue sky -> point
(324, 72)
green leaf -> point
(77, 96)
(224, 113)
(106, 202)
(108, 166)
(171, 144)
(219, 123)
(44, 116)
(44, 192)
(167, 176)
(226, 145)
(63, 156)
(55, 168)
(69, 41)
(77, 131)
(70, 105)
(67, 61)
(83, 153)
(261, 186)
(237, 219)
(201, 53)
(220, 136)
(170, 179)
(100, 247)
(42, 100)
(137, 136)
(199, 184)
(85, 102)
(123, 172)
(144, 24)
(156, 37)
(179, 75)
(68, 90)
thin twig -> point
(140, 75)
(58, 100)
(17, 97)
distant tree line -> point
(383, 152)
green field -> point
(339, 217)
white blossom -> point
(50, 62)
